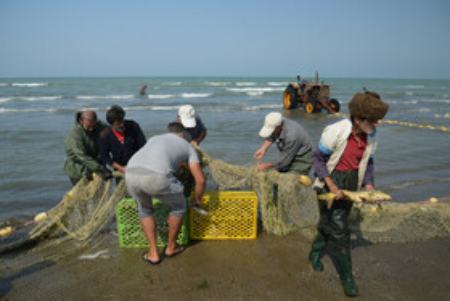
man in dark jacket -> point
(120, 140)
(81, 148)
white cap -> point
(272, 120)
(187, 116)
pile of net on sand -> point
(287, 205)
(71, 225)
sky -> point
(341, 38)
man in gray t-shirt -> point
(150, 173)
(293, 142)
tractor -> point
(313, 97)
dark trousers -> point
(333, 228)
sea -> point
(411, 164)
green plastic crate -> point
(130, 231)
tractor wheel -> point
(290, 98)
(309, 107)
(335, 105)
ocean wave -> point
(415, 86)
(5, 110)
(173, 83)
(195, 95)
(277, 84)
(152, 108)
(217, 84)
(90, 97)
(3, 84)
(160, 96)
(255, 93)
(408, 102)
(435, 100)
(245, 84)
(5, 99)
(446, 115)
(38, 98)
(409, 93)
(29, 84)
(262, 107)
(256, 89)
(419, 110)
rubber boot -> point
(316, 252)
(343, 262)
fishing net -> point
(287, 205)
(71, 225)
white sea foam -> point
(3, 84)
(277, 84)
(173, 83)
(434, 100)
(419, 110)
(160, 96)
(414, 101)
(415, 86)
(262, 107)
(217, 84)
(256, 89)
(5, 99)
(409, 93)
(29, 84)
(255, 93)
(446, 115)
(245, 84)
(152, 108)
(5, 110)
(90, 97)
(195, 95)
(38, 98)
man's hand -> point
(369, 187)
(339, 194)
(118, 167)
(259, 154)
(263, 166)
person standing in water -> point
(344, 160)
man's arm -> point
(261, 151)
(197, 173)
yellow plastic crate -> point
(232, 215)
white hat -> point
(187, 116)
(272, 120)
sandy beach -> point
(269, 268)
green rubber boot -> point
(316, 252)
(344, 268)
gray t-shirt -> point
(293, 141)
(163, 154)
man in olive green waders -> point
(81, 148)
(344, 160)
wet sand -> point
(269, 268)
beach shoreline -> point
(269, 268)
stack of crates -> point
(130, 231)
(231, 215)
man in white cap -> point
(192, 124)
(293, 142)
